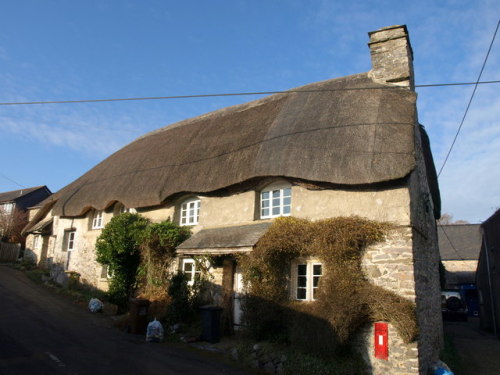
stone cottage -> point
(341, 147)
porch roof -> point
(225, 240)
(41, 225)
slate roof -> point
(10, 196)
(459, 242)
(241, 236)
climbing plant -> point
(118, 247)
(158, 244)
(345, 301)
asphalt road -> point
(479, 350)
(42, 333)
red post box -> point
(381, 341)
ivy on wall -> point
(345, 302)
(158, 244)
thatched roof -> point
(324, 134)
(224, 240)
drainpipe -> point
(492, 301)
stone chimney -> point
(392, 56)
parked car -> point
(453, 306)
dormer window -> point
(190, 211)
(98, 220)
(124, 209)
(275, 200)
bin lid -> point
(210, 307)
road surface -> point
(43, 333)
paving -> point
(479, 350)
(43, 333)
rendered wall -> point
(426, 263)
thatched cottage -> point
(341, 147)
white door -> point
(237, 297)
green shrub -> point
(118, 248)
(179, 308)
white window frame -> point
(311, 275)
(124, 209)
(7, 208)
(36, 241)
(191, 275)
(189, 212)
(98, 219)
(71, 239)
(276, 196)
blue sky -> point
(70, 50)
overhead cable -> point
(300, 91)
(470, 100)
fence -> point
(9, 252)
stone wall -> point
(389, 264)
(403, 358)
(426, 263)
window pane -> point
(265, 204)
(314, 293)
(302, 269)
(276, 210)
(265, 212)
(317, 270)
(316, 281)
(301, 293)
(286, 210)
(276, 202)
(301, 281)
(287, 201)
(188, 267)
(276, 193)
(287, 192)
(265, 195)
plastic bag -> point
(154, 332)
(440, 368)
(95, 305)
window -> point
(98, 220)
(275, 201)
(7, 208)
(69, 240)
(190, 269)
(190, 211)
(106, 272)
(36, 242)
(124, 209)
(306, 276)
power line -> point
(239, 94)
(470, 100)
(11, 180)
(451, 243)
